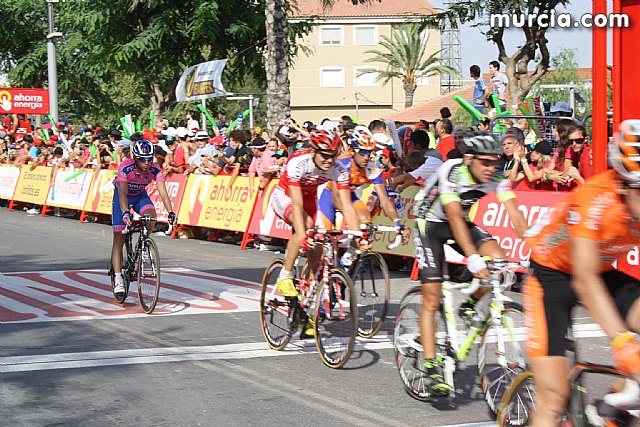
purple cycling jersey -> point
(137, 181)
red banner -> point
(264, 220)
(24, 101)
(176, 183)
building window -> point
(365, 35)
(422, 81)
(332, 77)
(368, 79)
(331, 36)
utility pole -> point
(52, 66)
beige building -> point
(327, 81)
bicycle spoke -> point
(275, 309)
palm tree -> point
(406, 58)
(277, 64)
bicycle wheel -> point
(148, 277)
(496, 372)
(335, 319)
(517, 404)
(409, 353)
(275, 309)
(370, 277)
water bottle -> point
(347, 258)
(239, 122)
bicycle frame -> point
(132, 255)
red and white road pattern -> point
(86, 294)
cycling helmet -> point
(624, 153)
(143, 149)
(323, 140)
(481, 143)
(361, 137)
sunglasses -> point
(363, 152)
(327, 156)
(577, 140)
(488, 162)
(145, 160)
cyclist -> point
(295, 199)
(134, 175)
(442, 209)
(361, 171)
(571, 259)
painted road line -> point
(193, 353)
(86, 294)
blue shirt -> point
(478, 90)
(34, 152)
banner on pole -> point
(201, 81)
(24, 101)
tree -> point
(564, 70)
(405, 57)
(535, 42)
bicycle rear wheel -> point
(335, 319)
(517, 404)
(496, 372)
(275, 309)
(148, 276)
(409, 353)
(370, 278)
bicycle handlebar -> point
(142, 218)
(628, 398)
(365, 230)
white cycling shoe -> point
(118, 285)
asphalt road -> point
(72, 357)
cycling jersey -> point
(593, 211)
(137, 181)
(453, 183)
(370, 174)
(300, 171)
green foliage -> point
(565, 71)
(123, 56)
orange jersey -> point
(593, 211)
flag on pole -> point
(201, 81)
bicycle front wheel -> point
(371, 281)
(148, 276)
(275, 309)
(517, 404)
(408, 350)
(501, 356)
(335, 319)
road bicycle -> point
(370, 276)
(498, 324)
(141, 264)
(327, 303)
(620, 408)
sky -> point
(477, 50)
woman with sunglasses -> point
(134, 175)
(442, 213)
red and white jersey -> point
(300, 171)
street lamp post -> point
(249, 98)
(52, 67)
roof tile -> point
(346, 9)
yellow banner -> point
(381, 240)
(210, 202)
(33, 185)
(100, 195)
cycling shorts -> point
(548, 301)
(429, 247)
(283, 206)
(327, 209)
(140, 202)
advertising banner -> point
(201, 81)
(33, 185)
(209, 201)
(491, 215)
(70, 188)
(176, 184)
(24, 101)
(100, 195)
(8, 179)
(264, 221)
